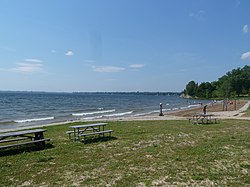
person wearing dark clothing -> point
(205, 109)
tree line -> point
(234, 83)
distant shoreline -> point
(97, 92)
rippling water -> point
(21, 109)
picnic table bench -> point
(88, 130)
(18, 138)
(203, 119)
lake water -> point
(23, 109)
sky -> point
(120, 45)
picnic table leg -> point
(197, 119)
(202, 120)
(74, 135)
(103, 129)
(39, 136)
(78, 134)
(99, 129)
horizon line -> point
(90, 91)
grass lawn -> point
(247, 114)
(142, 153)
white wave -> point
(164, 110)
(152, 112)
(92, 113)
(144, 114)
(91, 118)
(36, 119)
(190, 106)
(118, 114)
(167, 104)
(175, 108)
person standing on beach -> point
(205, 109)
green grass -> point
(142, 153)
(247, 113)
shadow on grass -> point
(98, 139)
(24, 149)
(210, 123)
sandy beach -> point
(216, 109)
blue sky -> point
(120, 45)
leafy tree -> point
(224, 86)
(246, 79)
(235, 82)
(201, 91)
(191, 88)
(214, 90)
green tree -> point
(201, 91)
(191, 88)
(214, 91)
(224, 87)
(245, 79)
(235, 82)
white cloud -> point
(200, 15)
(108, 69)
(245, 29)
(136, 66)
(25, 67)
(33, 60)
(245, 56)
(69, 53)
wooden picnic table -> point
(88, 129)
(34, 136)
(202, 118)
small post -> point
(234, 104)
(160, 114)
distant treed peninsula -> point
(235, 83)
